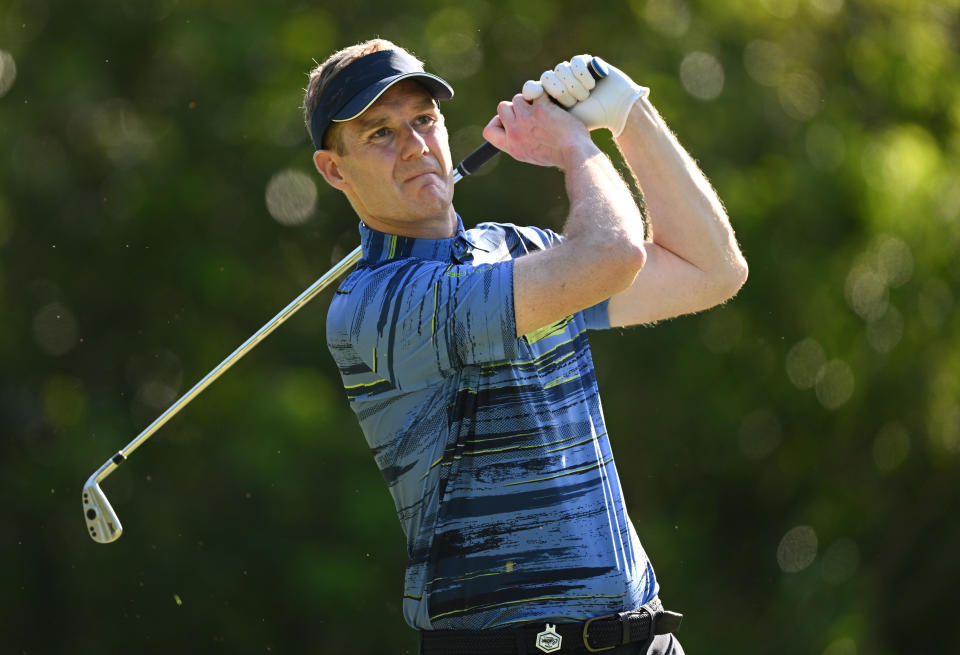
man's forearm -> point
(685, 215)
(602, 210)
(601, 253)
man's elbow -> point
(635, 255)
(631, 259)
(733, 277)
(611, 266)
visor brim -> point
(437, 87)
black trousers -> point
(661, 645)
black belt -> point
(595, 635)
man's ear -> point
(327, 163)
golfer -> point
(464, 352)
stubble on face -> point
(397, 164)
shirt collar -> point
(379, 247)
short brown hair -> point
(321, 76)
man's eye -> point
(426, 119)
(380, 134)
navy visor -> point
(356, 87)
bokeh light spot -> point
(291, 197)
(157, 377)
(894, 260)
(452, 35)
(827, 7)
(797, 549)
(760, 434)
(55, 329)
(800, 96)
(948, 201)
(121, 132)
(781, 8)
(668, 17)
(804, 361)
(866, 292)
(885, 332)
(702, 75)
(901, 160)
(451, 31)
(161, 365)
(156, 394)
(835, 384)
(890, 447)
(8, 72)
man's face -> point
(396, 167)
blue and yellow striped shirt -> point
(493, 447)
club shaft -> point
(469, 165)
(309, 294)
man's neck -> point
(436, 227)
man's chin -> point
(434, 195)
(432, 181)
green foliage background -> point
(791, 458)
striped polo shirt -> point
(493, 447)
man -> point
(464, 352)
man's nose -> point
(413, 145)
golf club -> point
(102, 522)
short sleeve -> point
(414, 320)
(598, 316)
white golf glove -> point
(597, 104)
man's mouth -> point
(417, 176)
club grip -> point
(477, 158)
(598, 69)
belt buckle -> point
(586, 629)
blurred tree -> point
(790, 458)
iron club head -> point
(102, 522)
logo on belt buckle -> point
(549, 641)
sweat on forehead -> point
(363, 81)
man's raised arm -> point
(692, 258)
(603, 247)
(694, 261)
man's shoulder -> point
(531, 237)
(367, 292)
(387, 274)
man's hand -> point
(539, 133)
(597, 104)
